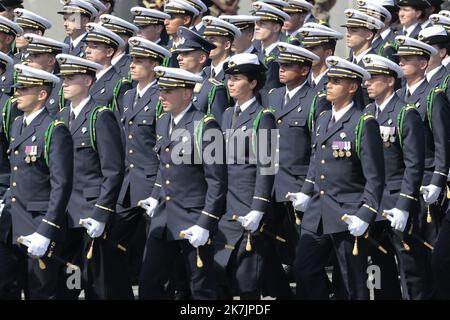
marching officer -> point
(246, 25)
(98, 175)
(299, 12)
(41, 153)
(151, 24)
(210, 96)
(76, 14)
(221, 34)
(402, 133)
(183, 219)
(343, 188)
(101, 45)
(30, 23)
(241, 247)
(141, 110)
(433, 107)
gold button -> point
(14, 184)
(167, 182)
(167, 149)
(167, 198)
(323, 146)
(13, 200)
(322, 192)
(279, 121)
(167, 166)
(131, 166)
(130, 123)
(322, 177)
(130, 137)
(130, 152)
(16, 152)
(15, 168)
(322, 161)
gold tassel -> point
(199, 260)
(42, 265)
(91, 249)
(355, 247)
(429, 219)
(248, 246)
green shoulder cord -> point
(400, 121)
(48, 139)
(7, 117)
(358, 132)
(444, 85)
(312, 111)
(269, 58)
(14, 49)
(255, 127)
(430, 100)
(211, 97)
(198, 133)
(165, 62)
(62, 100)
(92, 122)
(393, 44)
(114, 106)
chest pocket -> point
(82, 143)
(297, 122)
(146, 120)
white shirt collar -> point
(157, 41)
(178, 118)
(269, 49)
(385, 33)
(410, 29)
(247, 104)
(415, 86)
(339, 114)
(116, 59)
(101, 73)
(446, 61)
(294, 91)
(76, 110)
(144, 90)
(385, 103)
(28, 119)
(250, 49)
(219, 67)
(198, 26)
(361, 55)
(424, 24)
(77, 40)
(431, 73)
(317, 79)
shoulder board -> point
(162, 114)
(208, 118)
(215, 82)
(271, 57)
(102, 109)
(437, 90)
(58, 123)
(368, 116)
(410, 106)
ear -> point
(250, 35)
(88, 81)
(84, 21)
(110, 52)
(423, 64)
(187, 20)
(353, 87)
(52, 61)
(228, 44)
(277, 27)
(187, 95)
(304, 71)
(369, 35)
(253, 84)
(442, 53)
(42, 95)
(159, 28)
(9, 39)
(203, 57)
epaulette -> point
(103, 109)
(368, 116)
(59, 122)
(208, 118)
(271, 57)
(215, 82)
(438, 90)
(410, 106)
(161, 115)
(387, 45)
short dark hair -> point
(260, 78)
(445, 46)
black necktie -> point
(237, 112)
(71, 119)
(332, 121)
(287, 99)
(136, 100)
(24, 126)
(172, 125)
(408, 93)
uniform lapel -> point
(294, 102)
(338, 125)
(29, 130)
(143, 102)
(82, 116)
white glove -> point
(251, 221)
(356, 226)
(300, 201)
(398, 218)
(149, 205)
(37, 244)
(93, 227)
(430, 193)
(2, 206)
(196, 235)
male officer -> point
(402, 133)
(295, 122)
(299, 12)
(98, 175)
(101, 45)
(210, 96)
(8, 32)
(40, 153)
(221, 34)
(320, 40)
(181, 15)
(268, 30)
(151, 24)
(41, 54)
(200, 5)
(141, 109)
(343, 188)
(433, 107)
(30, 23)
(195, 211)
(245, 24)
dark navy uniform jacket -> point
(78, 50)
(189, 192)
(39, 192)
(295, 124)
(123, 65)
(272, 73)
(437, 157)
(102, 91)
(344, 185)
(141, 161)
(98, 175)
(404, 163)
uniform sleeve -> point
(413, 158)
(372, 163)
(441, 126)
(265, 173)
(112, 164)
(220, 103)
(215, 176)
(61, 179)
